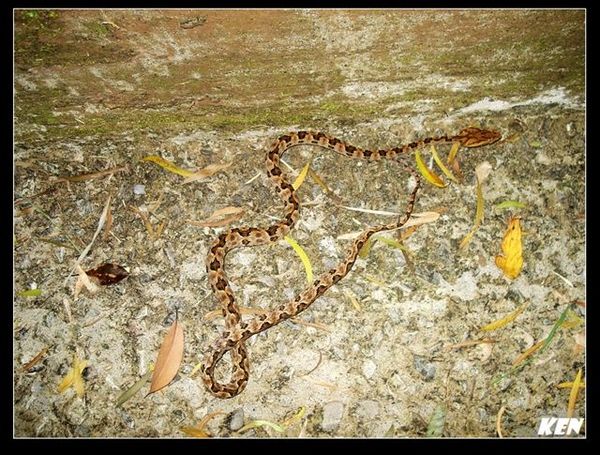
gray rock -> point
(332, 415)
(424, 367)
(236, 420)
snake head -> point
(475, 137)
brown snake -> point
(237, 331)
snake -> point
(237, 331)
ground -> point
(385, 353)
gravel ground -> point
(377, 355)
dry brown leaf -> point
(169, 358)
(84, 281)
(216, 218)
(107, 274)
(93, 175)
(109, 223)
(35, 360)
(499, 421)
(198, 431)
(209, 170)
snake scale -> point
(236, 330)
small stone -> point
(368, 369)
(425, 368)
(236, 420)
(368, 409)
(139, 189)
(332, 415)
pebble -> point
(368, 369)
(368, 409)
(237, 419)
(425, 368)
(139, 189)
(332, 415)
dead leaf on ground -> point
(198, 431)
(209, 170)
(221, 217)
(84, 281)
(511, 259)
(36, 359)
(108, 274)
(73, 377)
(169, 358)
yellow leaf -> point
(478, 216)
(511, 204)
(30, 293)
(262, 423)
(301, 177)
(528, 352)
(428, 173)
(453, 152)
(573, 395)
(198, 431)
(292, 419)
(169, 358)
(303, 257)
(569, 385)
(168, 166)
(505, 320)
(511, 261)
(74, 378)
(441, 165)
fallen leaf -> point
(573, 395)
(209, 170)
(108, 225)
(428, 173)
(499, 421)
(511, 259)
(505, 320)
(108, 274)
(301, 177)
(35, 360)
(169, 358)
(481, 172)
(135, 388)
(74, 378)
(453, 152)
(198, 431)
(441, 165)
(168, 165)
(93, 175)
(219, 218)
(30, 293)
(437, 422)
(86, 250)
(510, 205)
(303, 257)
(262, 423)
(569, 385)
(84, 281)
(528, 352)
